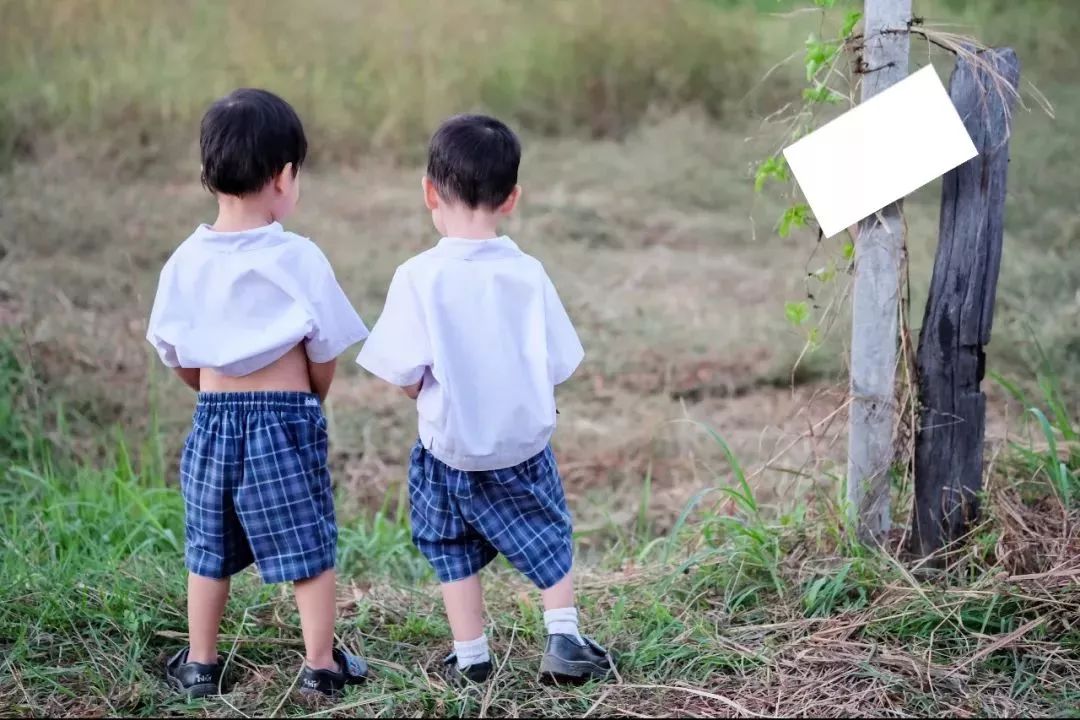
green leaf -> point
(825, 3)
(850, 21)
(819, 54)
(822, 93)
(774, 168)
(797, 313)
(848, 251)
(794, 217)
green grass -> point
(756, 611)
(1051, 453)
(365, 75)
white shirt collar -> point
(241, 240)
(464, 249)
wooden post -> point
(876, 297)
(960, 309)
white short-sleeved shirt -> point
(237, 301)
(481, 323)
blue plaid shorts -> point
(257, 488)
(462, 520)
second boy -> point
(474, 331)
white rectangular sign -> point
(880, 151)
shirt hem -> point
(336, 349)
(485, 463)
(567, 371)
(376, 368)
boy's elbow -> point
(413, 391)
(190, 377)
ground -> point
(702, 449)
(730, 615)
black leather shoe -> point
(352, 670)
(569, 662)
(460, 676)
(192, 678)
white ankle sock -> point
(472, 652)
(563, 621)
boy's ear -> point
(431, 196)
(284, 177)
(511, 201)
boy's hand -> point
(190, 376)
(321, 375)
(413, 391)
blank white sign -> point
(880, 151)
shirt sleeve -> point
(336, 323)
(563, 345)
(398, 350)
(158, 314)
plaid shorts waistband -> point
(267, 401)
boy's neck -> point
(237, 214)
(473, 237)
(471, 225)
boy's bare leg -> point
(206, 605)
(317, 602)
(561, 594)
(464, 600)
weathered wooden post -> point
(876, 297)
(960, 309)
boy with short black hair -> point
(474, 331)
(251, 317)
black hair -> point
(474, 159)
(246, 139)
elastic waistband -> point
(271, 400)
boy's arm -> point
(563, 345)
(398, 350)
(321, 375)
(190, 376)
(337, 325)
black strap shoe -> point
(192, 678)
(567, 661)
(461, 676)
(352, 670)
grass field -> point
(673, 327)
(639, 199)
(736, 612)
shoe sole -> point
(201, 690)
(571, 672)
(313, 692)
(461, 682)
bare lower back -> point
(289, 372)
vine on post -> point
(827, 84)
(878, 291)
